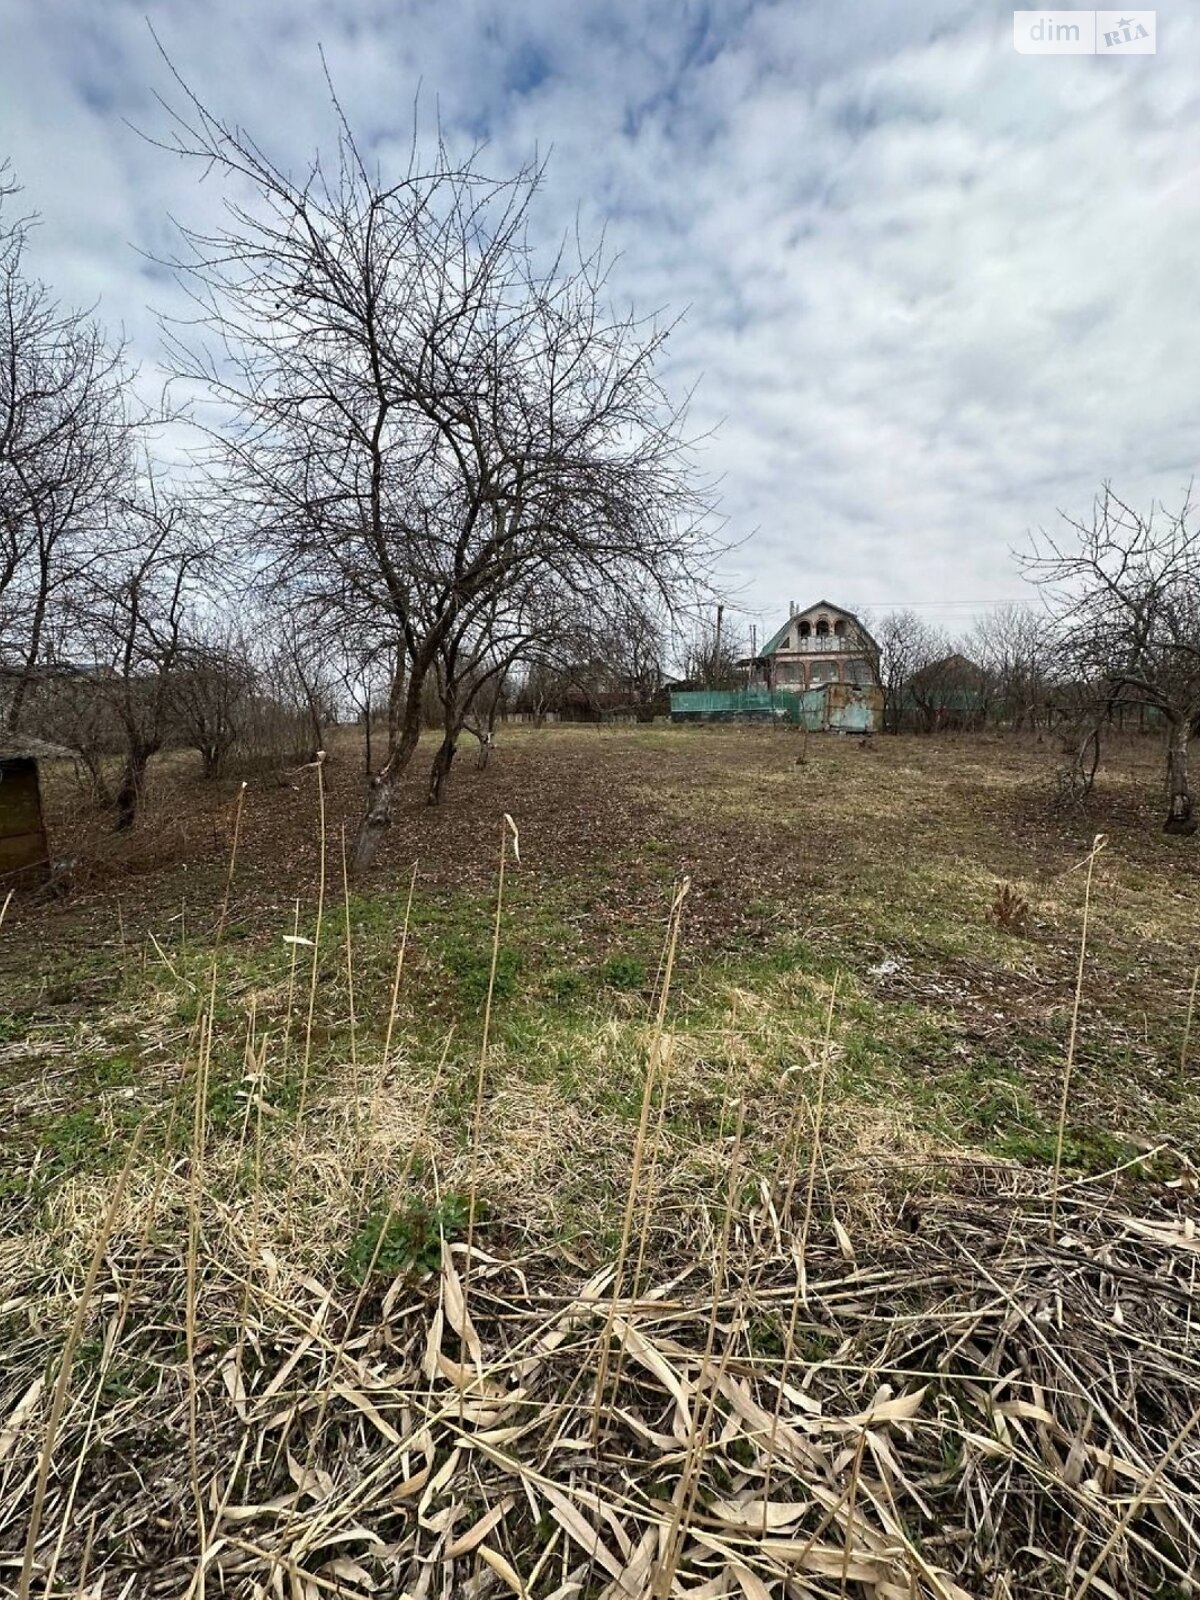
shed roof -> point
(24, 747)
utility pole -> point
(717, 645)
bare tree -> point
(211, 691)
(13, 529)
(133, 616)
(275, 727)
(469, 662)
(950, 691)
(637, 644)
(366, 677)
(1124, 589)
(908, 645)
(1082, 710)
(428, 412)
(1017, 648)
(65, 702)
(303, 664)
(711, 650)
(538, 689)
(533, 624)
(64, 455)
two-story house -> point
(820, 645)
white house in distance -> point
(820, 645)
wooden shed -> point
(24, 851)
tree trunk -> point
(314, 720)
(17, 704)
(396, 702)
(212, 758)
(1181, 815)
(132, 788)
(378, 816)
(487, 739)
(439, 773)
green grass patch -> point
(406, 1242)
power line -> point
(974, 605)
(877, 606)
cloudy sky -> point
(934, 289)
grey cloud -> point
(935, 289)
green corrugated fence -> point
(838, 707)
(726, 705)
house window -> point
(805, 629)
(859, 672)
(839, 629)
(822, 628)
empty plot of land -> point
(892, 860)
(743, 1248)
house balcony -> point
(825, 644)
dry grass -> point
(958, 1406)
(678, 1296)
(1010, 908)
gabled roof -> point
(777, 639)
(954, 668)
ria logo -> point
(1128, 31)
(1085, 33)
